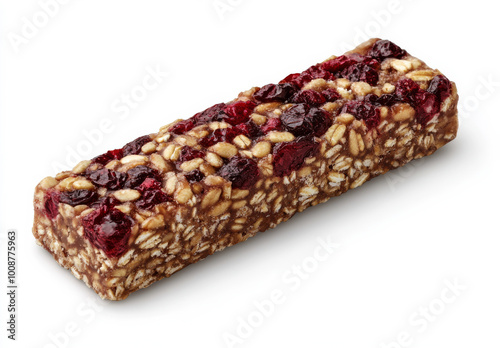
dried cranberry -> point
(183, 126)
(78, 197)
(361, 72)
(134, 147)
(242, 172)
(188, 153)
(440, 86)
(110, 179)
(108, 156)
(238, 112)
(289, 156)
(219, 135)
(363, 111)
(213, 113)
(406, 89)
(151, 194)
(249, 129)
(50, 204)
(310, 97)
(302, 119)
(108, 229)
(272, 124)
(138, 174)
(383, 100)
(314, 72)
(338, 65)
(383, 49)
(331, 95)
(194, 176)
(275, 93)
(293, 78)
(426, 105)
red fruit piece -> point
(406, 89)
(383, 100)
(289, 156)
(249, 129)
(188, 153)
(108, 156)
(78, 197)
(213, 113)
(310, 97)
(134, 147)
(302, 119)
(238, 112)
(151, 194)
(108, 229)
(383, 49)
(138, 174)
(194, 176)
(219, 135)
(440, 86)
(242, 172)
(427, 106)
(272, 124)
(331, 95)
(363, 111)
(314, 72)
(275, 93)
(339, 64)
(110, 179)
(50, 204)
(360, 72)
(183, 126)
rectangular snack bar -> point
(135, 215)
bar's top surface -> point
(264, 132)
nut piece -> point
(388, 88)
(220, 208)
(127, 195)
(148, 147)
(83, 184)
(353, 143)
(361, 88)
(316, 84)
(81, 167)
(214, 159)
(259, 120)
(48, 182)
(261, 149)
(211, 198)
(191, 165)
(224, 149)
(184, 195)
(403, 112)
(134, 158)
(400, 65)
(278, 137)
(242, 141)
(421, 75)
(335, 133)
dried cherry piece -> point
(310, 97)
(289, 156)
(249, 129)
(383, 100)
(241, 171)
(110, 179)
(302, 119)
(138, 174)
(275, 93)
(440, 86)
(272, 124)
(238, 112)
(427, 105)
(194, 176)
(331, 95)
(383, 49)
(107, 157)
(361, 72)
(108, 229)
(50, 203)
(213, 113)
(188, 153)
(314, 72)
(134, 147)
(338, 65)
(406, 90)
(151, 194)
(78, 197)
(363, 111)
(183, 126)
(219, 135)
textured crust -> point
(211, 215)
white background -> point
(402, 239)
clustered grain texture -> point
(135, 215)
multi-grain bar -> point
(137, 214)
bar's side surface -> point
(205, 216)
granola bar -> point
(137, 214)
